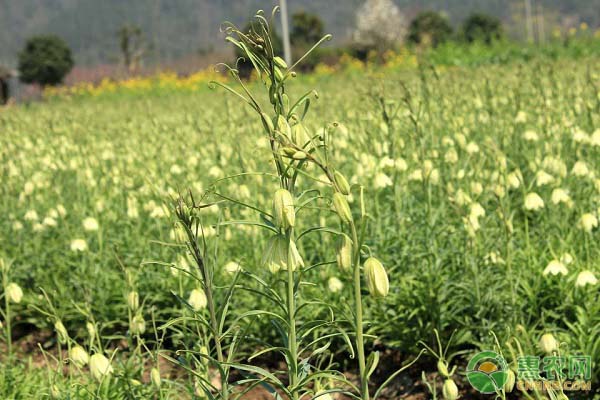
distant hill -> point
(177, 28)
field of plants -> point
(358, 234)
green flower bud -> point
(278, 74)
(79, 356)
(548, 343)
(450, 390)
(14, 293)
(197, 299)
(61, 332)
(281, 254)
(443, 368)
(267, 122)
(509, 385)
(340, 204)
(300, 135)
(283, 209)
(341, 183)
(100, 366)
(299, 155)
(55, 392)
(376, 277)
(133, 300)
(91, 329)
(138, 325)
(280, 62)
(344, 252)
(283, 126)
(155, 377)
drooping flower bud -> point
(138, 325)
(155, 377)
(100, 366)
(300, 135)
(55, 392)
(91, 329)
(281, 253)
(79, 356)
(341, 183)
(344, 252)
(283, 126)
(133, 300)
(442, 367)
(509, 385)
(197, 299)
(61, 331)
(14, 293)
(450, 390)
(279, 62)
(548, 343)
(340, 204)
(283, 209)
(376, 277)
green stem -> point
(358, 318)
(292, 345)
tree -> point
(307, 29)
(4, 77)
(131, 43)
(429, 27)
(379, 25)
(45, 60)
(482, 27)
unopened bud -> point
(79, 356)
(450, 390)
(341, 183)
(283, 209)
(300, 135)
(548, 343)
(443, 368)
(280, 62)
(133, 300)
(281, 254)
(344, 252)
(376, 277)
(61, 332)
(267, 122)
(299, 155)
(197, 299)
(138, 325)
(14, 293)
(100, 366)
(155, 377)
(340, 204)
(509, 385)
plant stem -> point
(292, 345)
(358, 318)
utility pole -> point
(540, 23)
(285, 32)
(528, 21)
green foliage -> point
(429, 27)
(482, 27)
(45, 60)
(306, 29)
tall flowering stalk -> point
(293, 150)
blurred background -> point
(115, 38)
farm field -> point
(477, 189)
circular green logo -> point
(487, 372)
